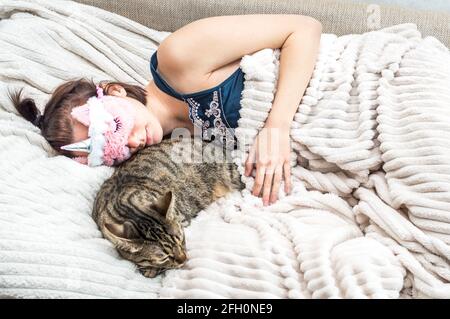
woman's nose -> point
(134, 141)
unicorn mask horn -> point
(83, 146)
(110, 120)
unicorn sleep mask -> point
(110, 120)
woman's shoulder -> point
(185, 79)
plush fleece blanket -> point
(369, 213)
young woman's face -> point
(146, 130)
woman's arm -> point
(205, 45)
(297, 60)
(271, 150)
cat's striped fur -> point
(144, 205)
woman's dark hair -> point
(56, 123)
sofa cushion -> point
(337, 16)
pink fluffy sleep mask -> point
(110, 120)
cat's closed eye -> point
(157, 252)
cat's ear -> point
(125, 236)
(164, 205)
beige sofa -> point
(337, 16)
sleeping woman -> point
(197, 84)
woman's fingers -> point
(276, 184)
(287, 178)
(267, 185)
(250, 161)
(259, 179)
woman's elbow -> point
(315, 25)
(310, 25)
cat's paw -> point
(185, 223)
(151, 272)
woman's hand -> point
(271, 153)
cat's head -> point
(152, 238)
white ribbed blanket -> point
(368, 216)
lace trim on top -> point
(213, 125)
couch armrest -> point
(337, 16)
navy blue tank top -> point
(214, 110)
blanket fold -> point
(373, 127)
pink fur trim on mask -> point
(115, 150)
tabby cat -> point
(143, 207)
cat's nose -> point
(180, 257)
